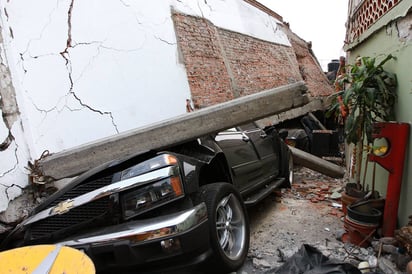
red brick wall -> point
(222, 65)
(316, 80)
(258, 65)
(206, 71)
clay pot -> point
(360, 234)
(347, 200)
(363, 212)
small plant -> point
(368, 96)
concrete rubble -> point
(404, 236)
(310, 213)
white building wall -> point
(84, 70)
(13, 149)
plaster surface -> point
(79, 71)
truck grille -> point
(74, 219)
(83, 189)
(87, 215)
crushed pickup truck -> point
(165, 208)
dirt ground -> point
(309, 213)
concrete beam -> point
(315, 163)
(180, 129)
(314, 105)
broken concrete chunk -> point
(260, 263)
(386, 266)
(18, 209)
(388, 241)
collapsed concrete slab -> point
(317, 164)
(173, 131)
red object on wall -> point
(396, 135)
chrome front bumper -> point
(140, 232)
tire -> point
(228, 226)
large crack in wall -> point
(55, 36)
(66, 56)
(74, 99)
(12, 176)
(8, 105)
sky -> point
(320, 21)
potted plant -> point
(365, 94)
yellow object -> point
(53, 259)
(380, 151)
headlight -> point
(151, 164)
(151, 196)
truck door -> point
(241, 155)
(266, 148)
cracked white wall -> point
(84, 70)
(13, 149)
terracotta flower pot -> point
(346, 201)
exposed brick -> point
(316, 80)
(222, 64)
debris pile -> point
(321, 189)
(310, 213)
(404, 236)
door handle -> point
(245, 138)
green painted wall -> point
(384, 41)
